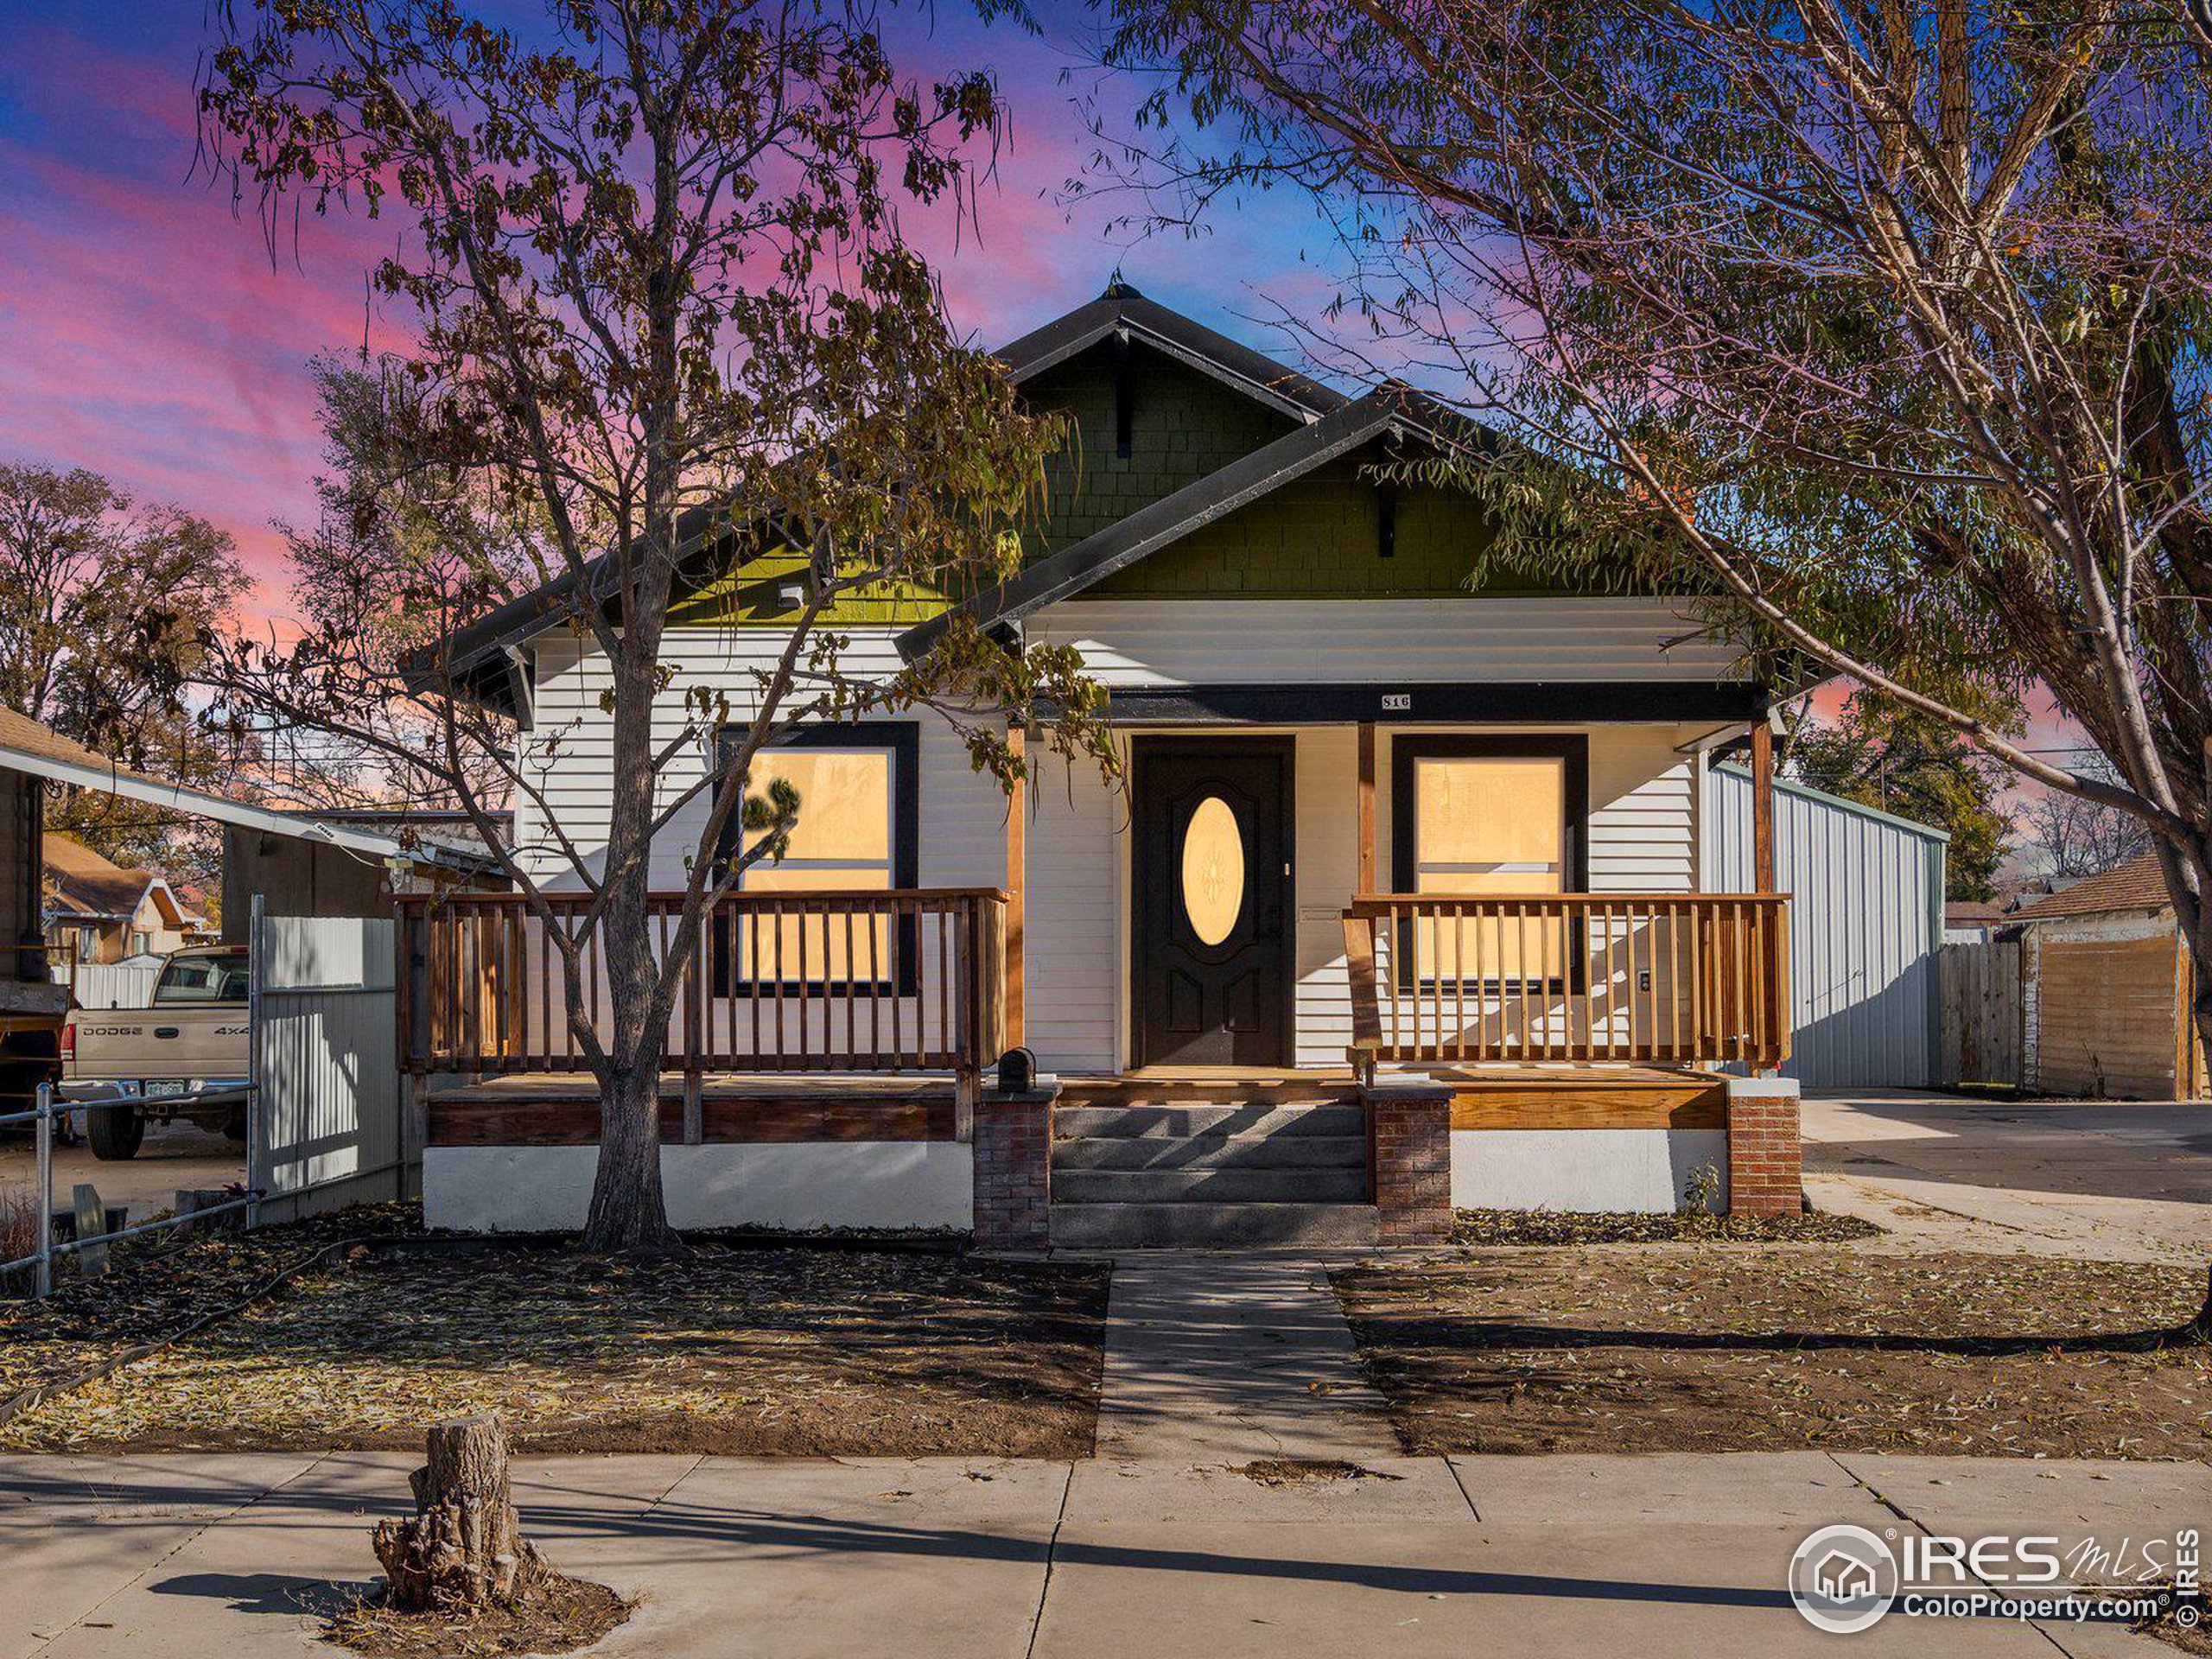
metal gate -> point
(327, 1105)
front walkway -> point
(1222, 1359)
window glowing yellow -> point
(1490, 824)
(1213, 870)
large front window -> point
(1475, 817)
(858, 792)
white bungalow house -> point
(1399, 904)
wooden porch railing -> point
(899, 980)
(1673, 978)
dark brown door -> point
(1211, 929)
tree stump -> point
(464, 1548)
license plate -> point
(167, 1086)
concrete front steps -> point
(1287, 1170)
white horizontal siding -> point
(570, 755)
(1642, 830)
(1202, 641)
(1643, 839)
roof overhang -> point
(115, 780)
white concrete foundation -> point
(1645, 1170)
(794, 1185)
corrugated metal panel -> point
(327, 1130)
(1865, 926)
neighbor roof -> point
(2140, 884)
(27, 746)
(83, 883)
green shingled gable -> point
(1316, 538)
(1183, 425)
(1319, 536)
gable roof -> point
(83, 883)
(2140, 884)
(1390, 410)
(1121, 311)
(474, 655)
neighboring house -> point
(1867, 924)
(98, 911)
(1971, 921)
(1406, 872)
(2105, 990)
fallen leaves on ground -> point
(1771, 1349)
(1560, 1227)
(715, 1349)
(155, 1285)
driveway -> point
(175, 1156)
(2093, 1179)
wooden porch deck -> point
(562, 1109)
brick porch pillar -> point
(1409, 1150)
(1013, 1148)
(1765, 1164)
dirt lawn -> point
(1763, 1349)
(722, 1349)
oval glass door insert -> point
(1213, 870)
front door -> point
(1210, 931)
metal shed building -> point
(1866, 927)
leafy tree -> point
(102, 602)
(1904, 761)
(1883, 328)
(660, 288)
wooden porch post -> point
(1763, 807)
(1366, 806)
(1015, 977)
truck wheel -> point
(116, 1132)
(234, 1124)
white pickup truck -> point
(192, 1042)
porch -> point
(831, 1056)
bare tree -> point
(103, 601)
(659, 287)
(1880, 329)
(2078, 837)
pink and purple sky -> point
(147, 333)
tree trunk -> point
(464, 1548)
(627, 1211)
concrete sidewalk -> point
(210, 1557)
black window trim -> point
(1408, 747)
(904, 739)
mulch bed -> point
(558, 1616)
(719, 1349)
(1557, 1227)
(156, 1285)
(1769, 1350)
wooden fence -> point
(1981, 1019)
